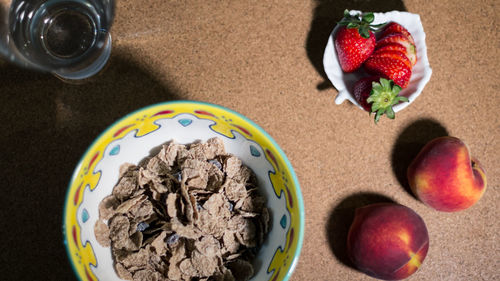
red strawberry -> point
(352, 49)
(355, 41)
(394, 27)
(392, 54)
(362, 89)
(392, 47)
(390, 68)
(378, 95)
(411, 50)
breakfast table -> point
(264, 60)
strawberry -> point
(392, 47)
(352, 49)
(394, 27)
(362, 89)
(378, 95)
(400, 38)
(392, 54)
(355, 41)
(390, 68)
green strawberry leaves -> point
(362, 22)
(364, 31)
(383, 96)
(368, 17)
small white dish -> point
(421, 72)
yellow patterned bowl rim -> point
(81, 256)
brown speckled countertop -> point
(264, 60)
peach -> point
(387, 241)
(445, 177)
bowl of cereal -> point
(184, 191)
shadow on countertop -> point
(46, 127)
(341, 218)
(325, 17)
(409, 143)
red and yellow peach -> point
(445, 177)
(387, 241)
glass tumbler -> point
(68, 38)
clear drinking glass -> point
(69, 38)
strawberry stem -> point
(383, 96)
(361, 21)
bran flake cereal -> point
(191, 212)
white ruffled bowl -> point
(421, 72)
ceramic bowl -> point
(421, 72)
(133, 137)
